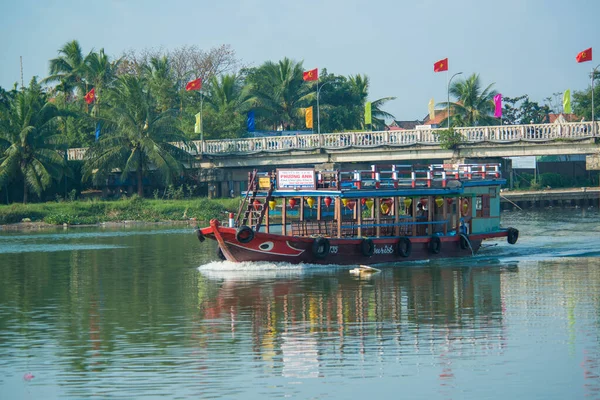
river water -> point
(150, 313)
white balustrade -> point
(344, 140)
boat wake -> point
(243, 271)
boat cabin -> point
(385, 201)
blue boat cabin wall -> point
(485, 208)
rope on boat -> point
(511, 202)
(468, 242)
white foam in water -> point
(263, 270)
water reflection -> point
(426, 309)
(138, 318)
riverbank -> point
(130, 211)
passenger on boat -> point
(421, 211)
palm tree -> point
(29, 140)
(68, 69)
(280, 93)
(473, 106)
(360, 87)
(99, 72)
(135, 136)
(161, 81)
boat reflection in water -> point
(316, 313)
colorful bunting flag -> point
(198, 122)
(311, 75)
(250, 121)
(498, 104)
(97, 131)
(368, 120)
(196, 84)
(441, 65)
(567, 101)
(308, 116)
(90, 96)
(584, 56)
(431, 109)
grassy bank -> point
(134, 209)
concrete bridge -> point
(384, 146)
(225, 162)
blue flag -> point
(250, 121)
(97, 131)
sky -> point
(520, 46)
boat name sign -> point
(298, 178)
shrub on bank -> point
(132, 209)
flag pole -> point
(318, 113)
(201, 123)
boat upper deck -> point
(379, 181)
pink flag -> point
(498, 104)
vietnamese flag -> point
(90, 96)
(584, 56)
(196, 84)
(311, 75)
(441, 65)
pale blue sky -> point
(523, 46)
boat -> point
(386, 214)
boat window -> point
(482, 206)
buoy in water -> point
(363, 270)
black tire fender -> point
(320, 247)
(244, 234)
(435, 245)
(512, 236)
(404, 247)
(367, 247)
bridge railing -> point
(426, 137)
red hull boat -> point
(445, 213)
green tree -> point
(521, 110)
(68, 69)
(474, 106)
(227, 101)
(29, 139)
(360, 87)
(161, 82)
(280, 94)
(582, 101)
(136, 137)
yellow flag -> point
(567, 101)
(308, 115)
(431, 110)
(368, 113)
(197, 126)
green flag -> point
(368, 113)
(567, 102)
(197, 126)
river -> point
(150, 313)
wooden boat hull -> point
(351, 251)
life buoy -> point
(404, 247)
(464, 207)
(220, 254)
(320, 247)
(435, 245)
(244, 234)
(512, 236)
(464, 242)
(367, 247)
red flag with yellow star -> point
(441, 65)
(311, 75)
(90, 96)
(584, 56)
(196, 84)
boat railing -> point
(369, 227)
